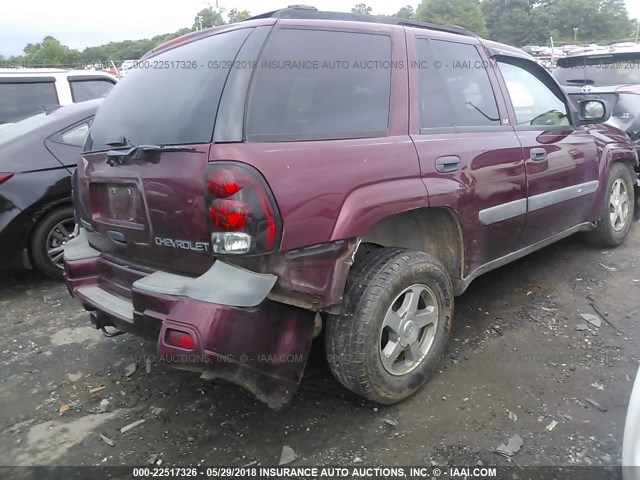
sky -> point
(80, 23)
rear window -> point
(171, 98)
(599, 70)
(83, 90)
(22, 99)
(314, 84)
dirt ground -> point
(516, 364)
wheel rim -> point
(58, 237)
(619, 205)
(409, 329)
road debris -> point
(147, 365)
(495, 329)
(608, 268)
(64, 408)
(388, 421)
(287, 455)
(130, 369)
(512, 416)
(604, 317)
(126, 428)
(546, 309)
(599, 406)
(107, 440)
(104, 405)
(552, 425)
(581, 327)
(95, 390)
(511, 447)
(592, 319)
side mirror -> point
(593, 111)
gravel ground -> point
(521, 361)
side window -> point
(76, 135)
(435, 108)
(23, 98)
(467, 81)
(533, 102)
(314, 84)
(83, 90)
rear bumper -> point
(261, 346)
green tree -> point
(362, 8)
(208, 17)
(50, 53)
(407, 12)
(237, 16)
(464, 13)
(516, 22)
(589, 21)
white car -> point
(631, 441)
(26, 91)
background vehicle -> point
(27, 91)
(37, 157)
(260, 204)
(612, 76)
(631, 442)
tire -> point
(51, 233)
(610, 231)
(380, 287)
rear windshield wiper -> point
(118, 157)
(581, 81)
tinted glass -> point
(533, 102)
(83, 90)
(19, 100)
(467, 81)
(435, 108)
(599, 69)
(170, 99)
(321, 84)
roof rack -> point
(312, 13)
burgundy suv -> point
(246, 185)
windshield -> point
(598, 70)
(15, 130)
(169, 99)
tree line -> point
(515, 22)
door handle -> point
(538, 154)
(447, 164)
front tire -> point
(617, 209)
(50, 235)
(394, 327)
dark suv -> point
(244, 186)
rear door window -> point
(83, 90)
(22, 98)
(170, 99)
(316, 84)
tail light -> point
(179, 339)
(635, 88)
(4, 177)
(241, 212)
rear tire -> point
(617, 209)
(48, 239)
(395, 322)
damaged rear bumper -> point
(238, 334)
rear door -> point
(561, 159)
(148, 209)
(470, 159)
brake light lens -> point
(242, 216)
(179, 339)
(4, 177)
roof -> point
(49, 72)
(307, 12)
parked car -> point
(611, 76)
(37, 157)
(27, 91)
(631, 441)
(276, 192)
